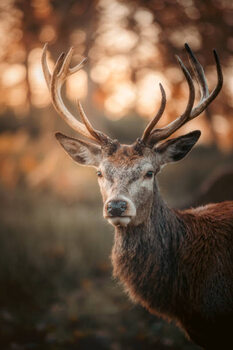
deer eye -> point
(99, 174)
(149, 174)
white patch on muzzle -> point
(119, 221)
(126, 217)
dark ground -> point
(55, 273)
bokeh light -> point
(131, 47)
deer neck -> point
(145, 256)
(163, 228)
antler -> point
(55, 81)
(154, 121)
(190, 112)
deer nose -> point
(116, 208)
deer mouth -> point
(119, 220)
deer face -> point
(126, 181)
(126, 173)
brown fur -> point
(177, 264)
(124, 154)
(182, 268)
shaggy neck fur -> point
(145, 258)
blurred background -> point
(55, 273)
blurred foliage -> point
(56, 286)
(55, 274)
(131, 47)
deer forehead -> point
(112, 170)
(126, 165)
(128, 160)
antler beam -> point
(55, 81)
(190, 112)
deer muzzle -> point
(119, 211)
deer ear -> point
(84, 153)
(176, 149)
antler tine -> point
(45, 67)
(96, 134)
(55, 82)
(159, 114)
(163, 133)
(206, 98)
(198, 72)
(66, 70)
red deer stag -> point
(177, 264)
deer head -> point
(126, 173)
